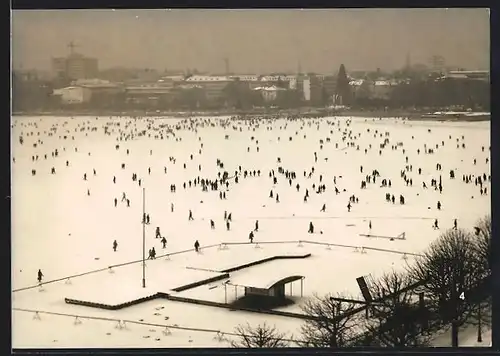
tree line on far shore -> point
(415, 94)
(448, 286)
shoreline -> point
(420, 116)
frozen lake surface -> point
(65, 225)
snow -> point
(57, 228)
(84, 334)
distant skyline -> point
(254, 41)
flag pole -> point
(143, 237)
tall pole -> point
(143, 237)
(479, 329)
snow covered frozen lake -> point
(65, 225)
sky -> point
(254, 41)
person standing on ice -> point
(250, 236)
(256, 226)
(190, 215)
(124, 196)
(323, 209)
(171, 207)
(40, 276)
(311, 228)
(197, 246)
(212, 224)
(349, 207)
(157, 232)
(436, 225)
(370, 225)
(455, 224)
(115, 245)
(439, 205)
(164, 242)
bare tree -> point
(261, 336)
(396, 320)
(332, 322)
(449, 269)
(483, 243)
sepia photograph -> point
(252, 178)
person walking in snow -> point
(256, 226)
(157, 233)
(212, 224)
(197, 246)
(250, 236)
(190, 215)
(164, 242)
(115, 245)
(323, 209)
(40, 276)
(311, 228)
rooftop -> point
(208, 78)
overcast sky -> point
(255, 41)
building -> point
(361, 88)
(213, 86)
(75, 66)
(253, 81)
(73, 95)
(306, 89)
(382, 89)
(270, 93)
(369, 89)
(284, 81)
(469, 74)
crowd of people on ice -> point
(280, 177)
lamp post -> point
(143, 237)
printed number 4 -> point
(462, 296)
